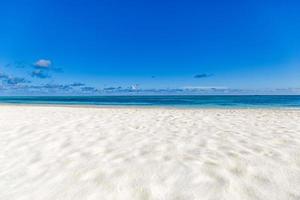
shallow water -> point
(241, 101)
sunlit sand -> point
(50, 153)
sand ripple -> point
(129, 153)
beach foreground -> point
(148, 153)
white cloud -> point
(43, 63)
(205, 88)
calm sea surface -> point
(283, 101)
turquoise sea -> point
(243, 101)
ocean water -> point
(251, 101)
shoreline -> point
(146, 107)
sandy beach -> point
(51, 153)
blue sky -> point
(241, 45)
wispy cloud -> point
(89, 89)
(40, 74)
(15, 80)
(204, 87)
(57, 86)
(77, 84)
(112, 88)
(10, 80)
(21, 85)
(203, 75)
(3, 76)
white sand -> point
(50, 153)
